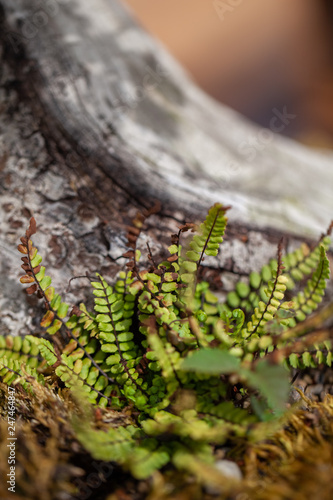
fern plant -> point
(161, 347)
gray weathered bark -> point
(97, 120)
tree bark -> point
(97, 121)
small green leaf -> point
(62, 311)
(210, 297)
(40, 275)
(125, 336)
(243, 290)
(169, 287)
(46, 282)
(306, 358)
(233, 299)
(108, 337)
(190, 267)
(297, 274)
(212, 252)
(187, 278)
(36, 261)
(113, 359)
(293, 360)
(266, 273)
(154, 277)
(101, 302)
(255, 279)
(55, 302)
(97, 284)
(55, 327)
(194, 256)
(173, 249)
(117, 306)
(49, 293)
(101, 309)
(109, 348)
(103, 318)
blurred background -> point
(255, 55)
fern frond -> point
(20, 361)
(22, 349)
(267, 308)
(297, 265)
(206, 242)
(41, 283)
(309, 299)
(302, 262)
